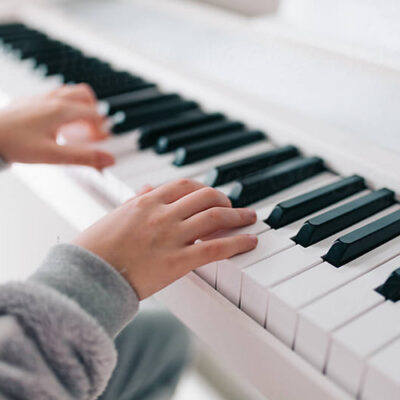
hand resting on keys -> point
(151, 239)
(29, 128)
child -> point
(57, 328)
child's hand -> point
(151, 239)
(29, 129)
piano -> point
(314, 311)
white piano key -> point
(19, 79)
(118, 145)
(157, 177)
(170, 172)
(137, 163)
(209, 273)
(382, 377)
(200, 177)
(257, 228)
(258, 278)
(353, 344)
(318, 320)
(227, 188)
(229, 274)
(287, 298)
(109, 187)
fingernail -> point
(253, 239)
(251, 213)
(105, 160)
(144, 189)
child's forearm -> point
(94, 284)
(57, 329)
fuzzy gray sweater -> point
(57, 328)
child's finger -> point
(217, 219)
(68, 111)
(78, 156)
(145, 189)
(219, 249)
(200, 200)
(81, 93)
(173, 191)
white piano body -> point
(274, 369)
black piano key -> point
(19, 46)
(83, 69)
(15, 38)
(298, 207)
(274, 179)
(132, 100)
(106, 78)
(149, 134)
(158, 112)
(6, 30)
(390, 290)
(36, 42)
(333, 221)
(70, 61)
(104, 93)
(33, 50)
(63, 56)
(23, 35)
(241, 168)
(363, 240)
(212, 147)
(108, 83)
(12, 27)
(168, 143)
(110, 86)
(127, 97)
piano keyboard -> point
(325, 277)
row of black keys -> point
(181, 122)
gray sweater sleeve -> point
(57, 328)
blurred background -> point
(337, 62)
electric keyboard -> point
(313, 312)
